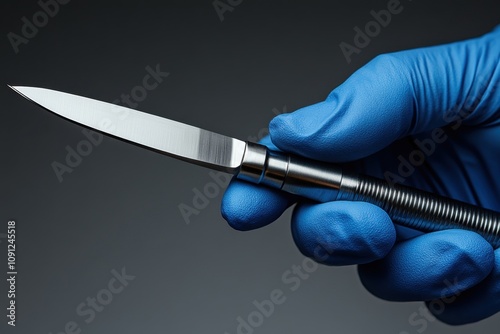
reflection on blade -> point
(169, 137)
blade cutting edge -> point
(160, 134)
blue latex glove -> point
(371, 122)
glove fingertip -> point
(281, 132)
(306, 131)
(246, 206)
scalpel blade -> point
(173, 138)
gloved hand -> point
(382, 122)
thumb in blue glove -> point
(396, 105)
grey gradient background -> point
(119, 207)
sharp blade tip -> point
(14, 88)
(18, 90)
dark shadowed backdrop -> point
(102, 246)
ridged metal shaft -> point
(406, 206)
(422, 210)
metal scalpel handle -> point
(406, 206)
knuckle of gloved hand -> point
(304, 130)
(464, 257)
(475, 304)
(434, 265)
(392, 62)
(340, 233)
(383, 85)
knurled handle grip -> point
(421, 210)
(406, 206)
